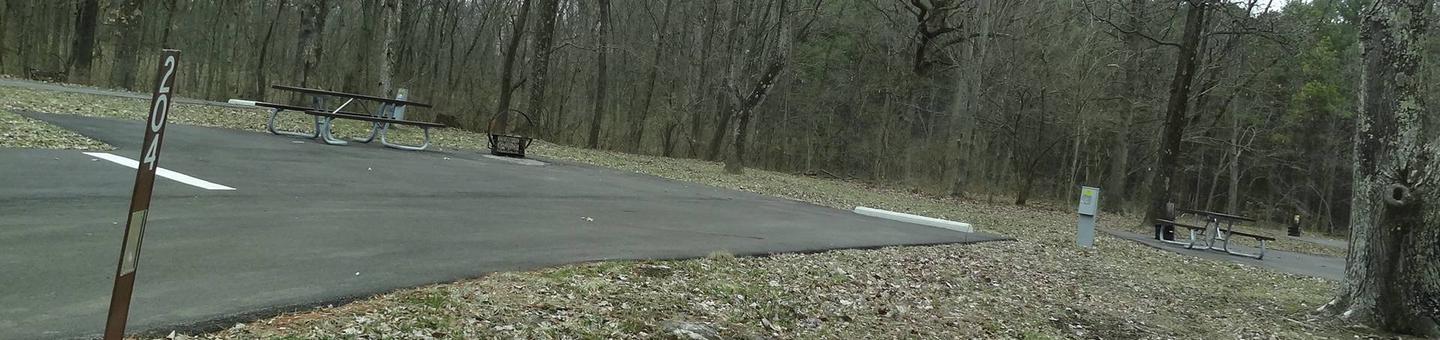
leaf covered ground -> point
(1037, 287)
(19, 132)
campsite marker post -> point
(1089, 204)
(140, 197)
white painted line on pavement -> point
(916, 219)
(162, 172)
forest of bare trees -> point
(1241, 106)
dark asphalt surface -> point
(311, 224)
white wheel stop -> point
(242, 102)
(916, 219)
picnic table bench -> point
(1220, 227)
(390, 112)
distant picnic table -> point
(1219, 227)
(390, 112)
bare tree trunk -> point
(603, 47)
(390, 17)
(539, 68)
(745, 109)
(1163, 183)
(1232, 194)
(703, 83)
(260, 65)
(82, 51)
(311, 42)
(1117, 180)
(644, 112)
(128, 22)
(6, 11)
(1392, 278)
(722, 100)
(507, 73)
(668, 146)
(170, 9)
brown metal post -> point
(140, 198)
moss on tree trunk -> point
(1392, 274)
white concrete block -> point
(242, 102)
(916, 219)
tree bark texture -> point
(128, 31)
(1117, 181)
(1392, 273)
(507, 72)
(1163, 183)
(390, 16)
(260, 66)
(311, 40)
(82, 50)
(602, 49)
(540, 67)
(638, 133)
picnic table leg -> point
(327, 135)
(1210, 244)
(384, 131)
(1260, 256)
(270, 125)
(385, 110)
(1226, 245)
(374, 132)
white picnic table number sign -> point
(1089, 200)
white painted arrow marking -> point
(162, 172)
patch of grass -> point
(432, 299)
(19, 132)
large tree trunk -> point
(311, 42)
(539, 68)
(1163, 183)
(171, 7)
(1392, 276)
(129, 28)
(390, 18)
(507, 73)
(602, 49)
(82, 51)
(745, 109)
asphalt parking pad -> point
(309, 223)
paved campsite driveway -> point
(311, 223)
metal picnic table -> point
(390, 111)
(1221, 227)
